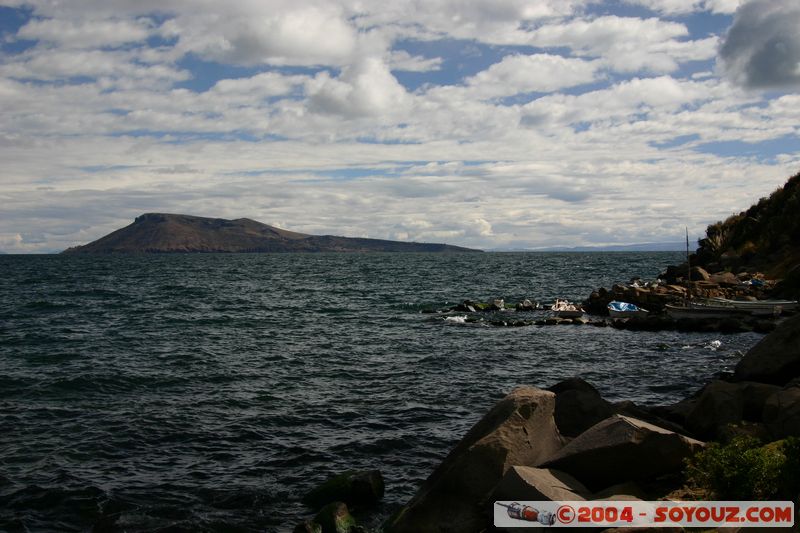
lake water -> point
(208, 392)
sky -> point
(495, 124)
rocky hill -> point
(168, 233)
(764, 238)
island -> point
(173, 233)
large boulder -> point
(710, 412)
(782, 413)
(699, 274)
(727, 279)
(628, 491)
(776, 358)
(518, 430)
(525, 483)
(579, 406)
(622, 449)
(789, 286)
(721, 403)
(355, 488)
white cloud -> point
(56, 64)
(87, 33)
(302, 35)
(627, 44)
(402, 60)
(366, 88)
(534, 73)
(683, 7)
(98, 124)
(762, 48)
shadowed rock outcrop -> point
(776, 358)
(519, 430)
(621, 449)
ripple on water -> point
(209, 392)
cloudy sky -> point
(499, 124)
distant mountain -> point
(643, 247)
(168, 233)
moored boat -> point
(625, 310)
(701, 310)
(565, 309)
(759, 307)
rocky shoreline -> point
(568, 443)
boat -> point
(702, 310)
(625, 310)
(759, 307)
(565, 309)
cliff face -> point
(167, 233)
(764, 238)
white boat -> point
(701, 310)
(625, 310)
(565, 309)
(758, 307)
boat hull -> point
(759, 307)
(617, 309)
(641, 313)
(704, 311)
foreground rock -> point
(623, 449)
(710, 413)
(355, 488)
(782, 413)
(776, 358)
(519, 430)
(579, 406)
(538, 484)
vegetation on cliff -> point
(766, 237)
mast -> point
(688, 268)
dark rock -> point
(776, 358)
(708, 413)
(728, 279)
(622, 449)
(336, 518)
(353, 487)
(307, 527)
(538, 484)
(789, 286)
(579, 406)
(518, 430)
(764, 326)
(621, 491)
(672, 273)
(782, 413)
(699, 274)
(631, 410)
(718, 404)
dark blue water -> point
(208, 392)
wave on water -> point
(209, 392)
